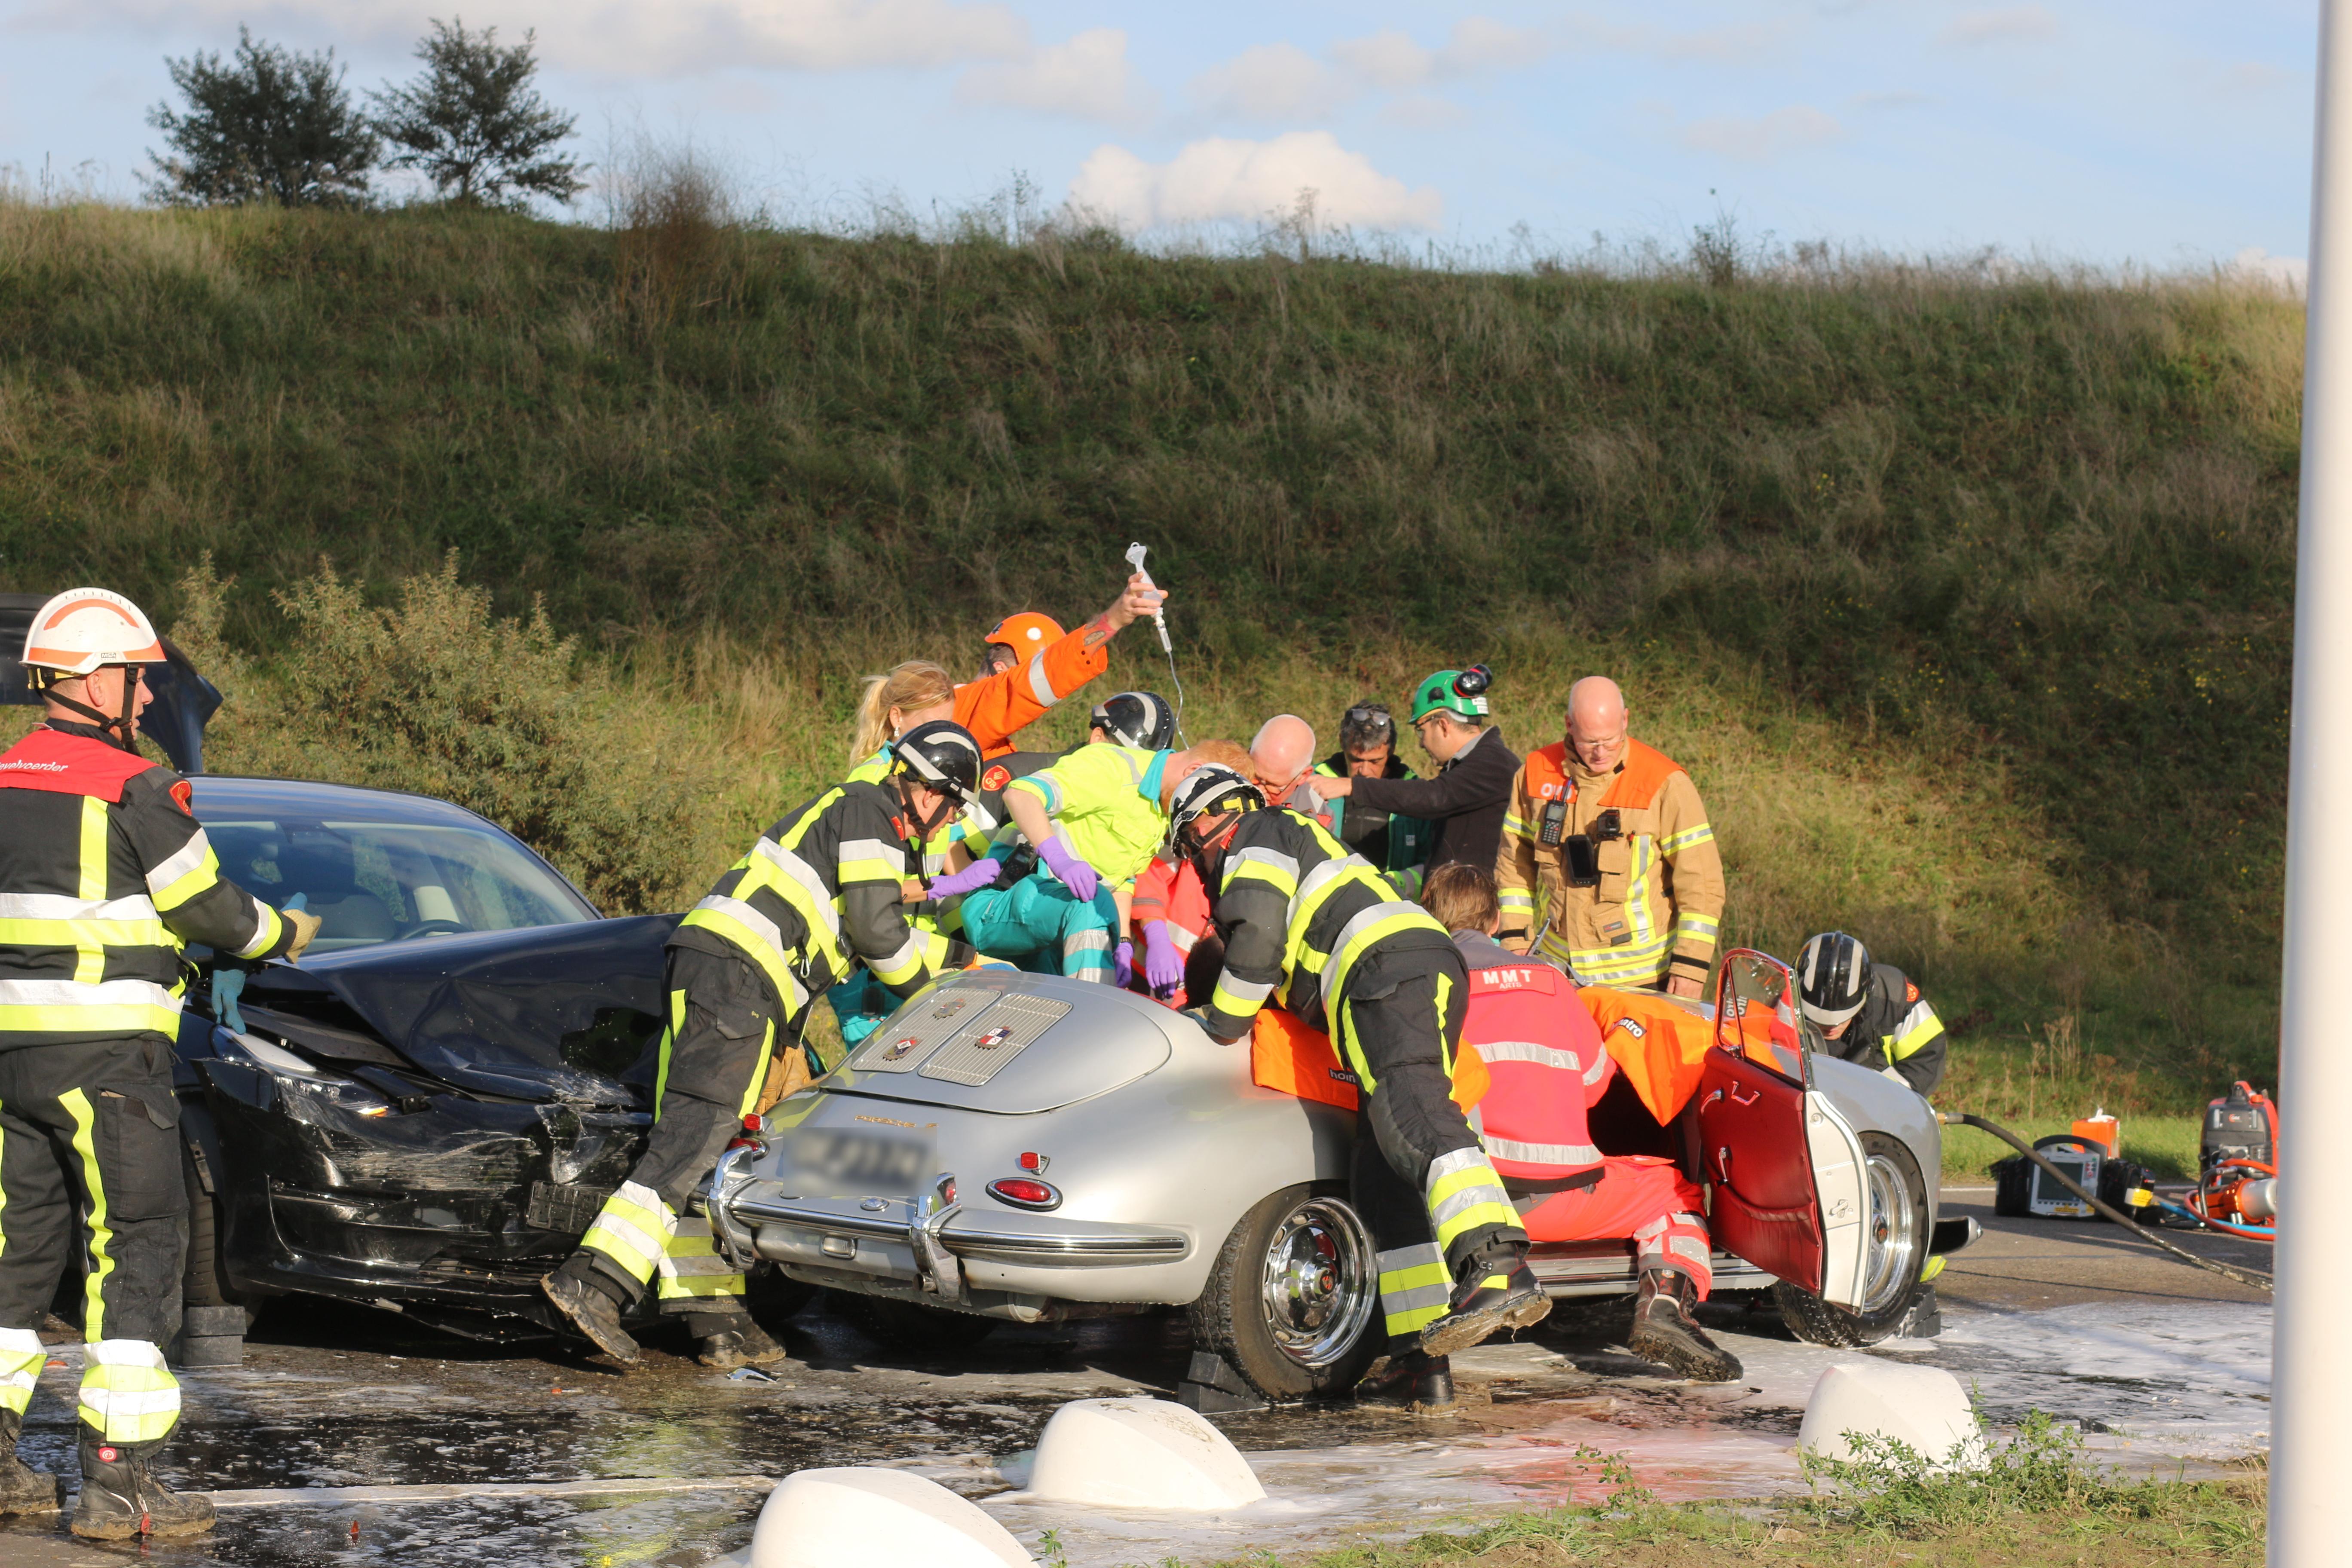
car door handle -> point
(1723, 1166)
(1753, 1096)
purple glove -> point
(1122, 964)
(981, 873)
(1163, 966)
(1076, 873)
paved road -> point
(341, 1398)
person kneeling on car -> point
(818, 893)
(1306, 921)
(1530, 1069)
(1868, 1013)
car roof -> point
(219, 795)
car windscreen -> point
(371, 882)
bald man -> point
(1608, 867)
(1282, 758)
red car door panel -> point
(1754, 1155)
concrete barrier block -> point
(1922, 1407)
(1140, 1453)
(862, 1516)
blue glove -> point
(228, 985)
(1075, 873)
(1122, 964)
(981, 873)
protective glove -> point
(1075, 873)
(1163, 966)
(306, 926)
(228, 985)
(981, 873)
(1122, 964)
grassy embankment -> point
(1966, 602)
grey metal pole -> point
(2311, 1344)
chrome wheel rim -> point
(1894, 1238)
(1320, 1283)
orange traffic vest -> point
(1645, 772)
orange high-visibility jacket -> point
(997, 707)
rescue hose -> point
(2227, 1270)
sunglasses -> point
(1370, 719)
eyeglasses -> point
(1370, 719)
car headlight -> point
(299, 1080)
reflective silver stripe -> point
(1542, 1154)
(75, 993)
(1282, 863)
(1475, 1195)
(1315, 882)
(1599, 1070)
(891, 855)
(1681, 1245)
(1245, 990)
(58, 907)
(801, 872)
(1542, 1055)
(1094, 938)
(1041, 687)
(908, 952)
(1364, 921)
(190, 857)
(759, 925)
(266, 928)
(1183, 941)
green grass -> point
(1966, 602)
(2165, 1144)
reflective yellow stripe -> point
(692, 1269)
(102, 1235)
(1415, 1288)
(1920, 1026)
(1516, 900)
(128, 1394)
(129, 1018)
(759, 1071)
(267, 928)
(899, 967)
(1462, 1194)
(91, 936)
(22, 1356)
(668, 1043)
(189, 885)
(632, 1229)
(766, 955)
(90, 966)
(1689, 924)
(1703, 833)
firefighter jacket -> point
(1530, 1068)
(997, 707)
(817, 893)
(1658, 898)
(104, 875)
(1299, 915)
(1465, 804)
(1895, 1028)
(1104, 801)
(1392, 841)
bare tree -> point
(473, 123)
(268, 125)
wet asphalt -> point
(331, 1396)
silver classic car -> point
(1026, 1147)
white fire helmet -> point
(83, 629)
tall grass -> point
(1965, 596)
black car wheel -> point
(1294, 1299)
(1896, 1251)
(205, 1282)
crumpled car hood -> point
(549, 1013)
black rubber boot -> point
(1422, 1384)
(1494, 1290)
(730, 1340)
(23, 1490)
(584, 1294)
(120, 1496)
(1665, 1332)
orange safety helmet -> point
(1025, 632)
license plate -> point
(836, 1162)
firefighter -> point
(1466, 803)
(1094, 819)
(1608, 865)
(104, 876)
(1869, 1012)
(1530, 1069)
(819, 892)
(1311, 927)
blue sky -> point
(2163, 132)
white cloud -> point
(1223, 178)
(2012, 25)
(1273, 83)
(1089, 77)
(1759, 140)
(622, 38)
(1390, 59)
(2255, 265)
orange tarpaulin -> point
(1286, 1055)
(1658, 1046)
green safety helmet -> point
(1462, 692)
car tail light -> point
(1025, 1192)
(1033, 1162)
(751, 1135)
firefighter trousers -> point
(722, 1033)
(1420, 1177)
(90, 1180)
